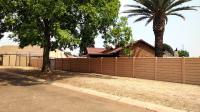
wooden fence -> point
(22, 60)
(180, 70)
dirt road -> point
(24, 95)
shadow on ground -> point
(8, 79)
(56, 74)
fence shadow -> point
(57, 74)
(7, 79)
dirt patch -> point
(175, 95)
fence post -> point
(89, 65)
(115, 66)
(183, 69)
(101, 65)
(16, 60)
(19, 60)
(155, 70)
(133, 67)
(26, 60)
(9, 61)
(62, 63)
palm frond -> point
(166, 19)
(146, 3)
(175, 3)
(134, 6)
(149, 20)
(138, 14)
(143, 11)
(177, 14)
(141, 18)
(181, 9)
(166, 4)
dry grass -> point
(175, 95)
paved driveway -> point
(24, 95)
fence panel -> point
(125, 67)
(144, 68)
(108, 66)
(192, 71)
(169, 69)
(6, 60)
(75, 65)
(66, 64)
(95, 65)
(84, 65)
(36, 62)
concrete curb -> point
(147, 105)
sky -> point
(181, 34)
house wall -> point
(143, 50)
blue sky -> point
(178, 33)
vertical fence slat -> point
(115, 66)
(155, 70)
(89, 65)
(101, 64)
(183, 69)
(133, 67)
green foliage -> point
(2, 16)
(96, 17)
(118, 35)
(127, 51)
(32, 20)
(168, 48)
(183, 53)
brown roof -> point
(139, 41)
(103, 51)
(95, 50)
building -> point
(14, 56)
(139, 48)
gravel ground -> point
(175, 95)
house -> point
(11, 55)
(139, 48)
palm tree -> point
(158, 12)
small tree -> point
(119, 35)
(183, 53)
(168, 48)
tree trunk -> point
(46, 62)
(159, 28)
(46, 46)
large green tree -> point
(158, 12)
(50, 24)
(96, 17)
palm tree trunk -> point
(159, 28)
(158, 43)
